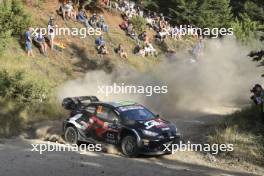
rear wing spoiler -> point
(74, 103)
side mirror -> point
(115, 121)
(157, 115)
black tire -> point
(71, 135)
(129, 146)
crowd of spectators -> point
(128, 9)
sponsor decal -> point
(154, 123)
(127, 108)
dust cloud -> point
(220, 79)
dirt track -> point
(17, 159)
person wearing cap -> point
(28, 42)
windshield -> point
(135, 113)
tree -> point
(183, 11)
(253, 8)
(214, 14)
(139, 23)
(201, 13)
(13, 21)
(245, 28)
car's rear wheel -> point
(71, 135)
(129, 146)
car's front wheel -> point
(71, 135)
(129, 146)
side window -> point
(112, 115)
(105, 113)
(91, 109)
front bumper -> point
(156, 146)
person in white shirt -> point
(67, 8)
(150, 50)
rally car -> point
(127, 125)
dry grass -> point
(244, 130)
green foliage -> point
(255, 11)
(139, 23)
(13, 21)
(244, 29)
(149, 3)
(214, 14)
(11, 118)
(202, 13)
(183, 11)
(15, 87)
(24, 99)
(253, 8)
(243, 15)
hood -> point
(156, 125)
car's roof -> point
(117, 104)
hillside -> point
(202, 100)
(79, 55)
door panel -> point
(104, 127)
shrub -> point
(13, 21)
(11, 119)
(139, 23)
(15, 87)
(24, 98)
(244, 29)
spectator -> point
(142, 36)
(102, 50)
(198, 48)
(120, 50)
(258, 98)
(106, 3)
(51, 32)
(162, 23)
(93, 20)
(150, 22)
(150, 50)
(105, 27)
(131, 32)
(66, 8)
(100, 22)
(124, 25)
(139, 50)
(28, 42)
(40, 41)
(175, 33)
(81, 16)
(99, 42)
(102, 25)
(162, 34)
(74, 13)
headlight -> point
(149, 133)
